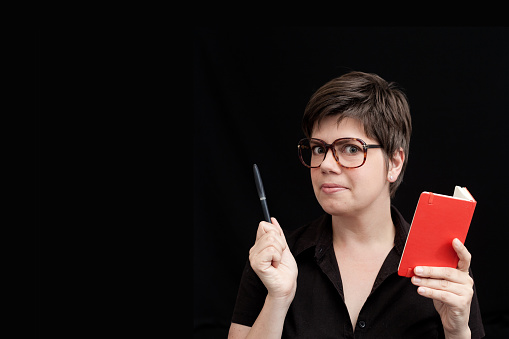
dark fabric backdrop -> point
(250, 90)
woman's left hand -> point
(451, 290)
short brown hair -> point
(381, 107)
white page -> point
(462, 193)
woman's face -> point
(342, 191)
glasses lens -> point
(312, 152)
(350, 152)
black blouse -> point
(392, 310)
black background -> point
(112, 219)
(114, 177)
(250, 90)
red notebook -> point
(438, 219)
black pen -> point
(261, 193)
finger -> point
(446, 297)
(264, 227)
(265, 259)
(276, 223)
(260, 231)
(266, 251)
(463, 254)
(269, 235)
(443, 285)
(445, 273)
(274, 238)
(272, 255)
(268, 239)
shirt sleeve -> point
(475, 320)
(250, 298)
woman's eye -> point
(351, 149)
(317, 150)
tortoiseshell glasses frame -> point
(346, 147)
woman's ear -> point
(396, 165)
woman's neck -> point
(370, 227)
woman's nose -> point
(329, 164)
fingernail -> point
(418, 270)
(417, 279)
(457, 242)
(421, 290)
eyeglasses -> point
(348, 152)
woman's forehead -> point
(338, 127)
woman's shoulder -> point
(307, 235)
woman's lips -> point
(332, 188)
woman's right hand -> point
(273, 262)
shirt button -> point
(362, 324)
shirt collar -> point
(402, 229)
(318, 234)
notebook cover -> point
(438, 219)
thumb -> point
(463, 254)
(276, 223)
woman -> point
(337, 276)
